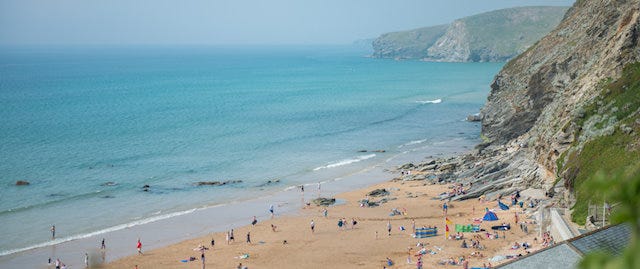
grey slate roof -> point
(567, 254)
(558, 256)
(612, 240)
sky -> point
(227, 22)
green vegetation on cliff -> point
(610, 127)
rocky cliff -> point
(493, 36)
(562, 111)
(411, 44)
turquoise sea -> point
(88, 127)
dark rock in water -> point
(324, 201)
(474, 117)
(362, 150)
(269, 182)
(110, 183)
(378, 192)
(217, 183)
(22, 183)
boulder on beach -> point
(22, 183)
(324, 201)
(407, 166)
(378, 192)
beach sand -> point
(359, 247)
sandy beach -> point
(366, 245)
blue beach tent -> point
(490, 216)
(503, 206)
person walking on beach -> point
(340, 223)
(57, 263)
(53, 232)
(86, 260)
(202, 258)
(102, 245)
(353, 223)
(228, 238)
(389, 227)
(249, 237)
(445, 208)
(313, 226)
(325, 212)
(139, 247)
(271, 210)
(254, 221)
(231, 238)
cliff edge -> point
(562, 112)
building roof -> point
(612, 240)
(567, 254)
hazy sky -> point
(227, 21)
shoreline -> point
(195, 219)
(293, 245)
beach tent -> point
(503, 206)
(490, 216)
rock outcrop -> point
(552, 101)
(22, 183)
(488, 37)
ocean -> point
(88, 127)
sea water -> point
(89, 127)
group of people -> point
(547, 239)
(342, 223)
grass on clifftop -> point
(606, 155)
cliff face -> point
(563, 101)
(534, 95)
(566, 108)
(493, 36)
(411, 44)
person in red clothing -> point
(139, 246)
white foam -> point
(103, 231)
(414, 142)
(345, 162)
(436, 101)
